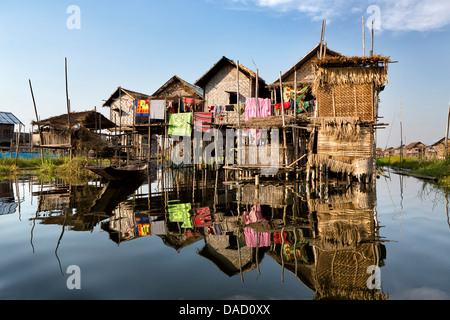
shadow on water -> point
(328, 238)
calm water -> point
(199, 238)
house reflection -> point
(8, 203)
(328, 238)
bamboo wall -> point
(217, 89)
(346, 101)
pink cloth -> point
(264, 108)
(255, 239)
(254, 215)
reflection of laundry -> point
(256, 239)
(202, 217)
(180, 212)
(254, 215)
(157, 225)
(277, 237)
(142, 226)
(289, 255)
(215, 230)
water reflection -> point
(327, 238)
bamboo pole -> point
(371, 45)
(321, 38)
(68, 108)
(401, 132)
(256, 94)
(446, 132)
(363, 37)
(282, 105)
(237, 93)
(37, 120)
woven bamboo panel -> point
(346, 101)
(228, 118)
(272, 195)
(360, 147)
(346, 268)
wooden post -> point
(256, 94)
(363, 37)
(446, 132)
(401, 132)
(67, 96)
(282, 104)
(237, 93)
(321, 38)
(17, 143)
(371, 45)
(37, 120)
(295, 96)
(120, 126)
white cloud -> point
(399, 15)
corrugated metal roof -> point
(8, 118)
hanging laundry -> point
(142, 107)
(180, 124)
(218, 110)
(289, 94)
(202, 121)
(286, 105)
(157, 109)
(188, 100)
(264, 108)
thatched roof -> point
(342, 70)
(201, 82)
(88, 119)
(343, 61)
(417, 144)
(133, 94)
(195, 91)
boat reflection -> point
(328, 238)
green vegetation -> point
(439, 169)
(62, 167)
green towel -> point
(180, 124)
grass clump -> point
(439, 169)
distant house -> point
(178, 93)
(414, 150)
(122, 106)
(437, 149)
(219, 86)
(7, 123)
(59, 132)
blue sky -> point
(140, 44)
